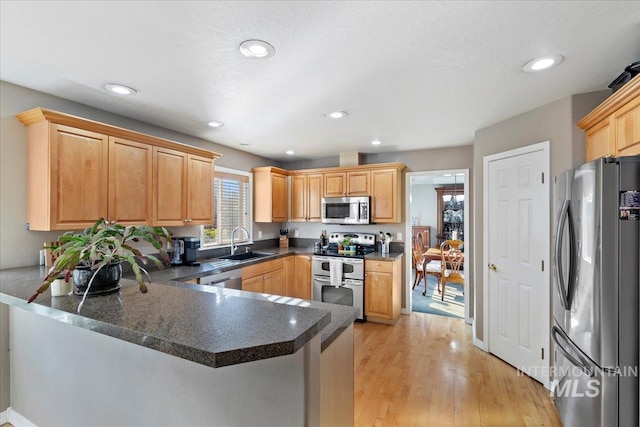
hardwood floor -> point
(425, 371)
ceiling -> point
(414, 75)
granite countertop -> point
(211, 328)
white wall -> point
(424, 207)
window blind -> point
(231, 195)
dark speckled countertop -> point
(205, 324)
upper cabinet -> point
(270, 194)
(182, 190)
(347, 183)
(613, 128)
(306, 197)
(382, 182)
(386, 191)
(79, 171)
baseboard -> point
(4, 417)
(406, 311)
(17, 420)
(480, 344)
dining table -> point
(435, 254)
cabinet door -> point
(385, 198)
(314, 197)
(302, 277)
(335, 184)
(253, 284)
(358, 183)
(299, 185)
(130, 181)
(278, 198)
(378, 291)
(78, 176)
(199, 190)
(169, 187)
(600, 140)
(290, 275)
(275, 283)
(627, 124)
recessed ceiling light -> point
(215, 124)
(256, 49)
(337, 114)
(376, 142)
(244, 144)
(290, 152)
(542, 63)
(119, 89)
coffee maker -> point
(190, 254)
(185, 251)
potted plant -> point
(94, 256)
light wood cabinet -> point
(306, 197)
(382, 287)
(79, 171)
(270, 194)
(267, 276)
(130, 181)
(302, 278)
(183, 192)
(67, 177)
(348, 183)
(200, 171)
(613, 128)
(386, 200)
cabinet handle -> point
(189, 220)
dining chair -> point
(418, 260)
(452, 263)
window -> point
(232, 207)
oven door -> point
(352, 268)
(351, 293)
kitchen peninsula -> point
(179, 355)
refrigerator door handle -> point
(563, 289)
(586, 367)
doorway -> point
(516, 258)
(436, 204)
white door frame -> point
(543, 146)
(408, 232)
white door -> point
(518, 244)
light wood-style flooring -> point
(425, 371)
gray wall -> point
(555, 122)
(20, 247)
(424, 206)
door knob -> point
(493, 267)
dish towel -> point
(335, 272)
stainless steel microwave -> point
(346, 210)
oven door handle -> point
(323, 279)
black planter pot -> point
(107, 279)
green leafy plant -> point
(103, 243)
(346, 241)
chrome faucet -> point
(233, 232)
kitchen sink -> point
(244, 256)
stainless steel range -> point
(338, 275)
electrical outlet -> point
(296, 233)
(259, 234)
(399, 237)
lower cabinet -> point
(383, 290)
(300, 285)
(265, 277)
(288, 276)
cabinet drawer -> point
(262, 268)
(379, 266)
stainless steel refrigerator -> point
(595, 332)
